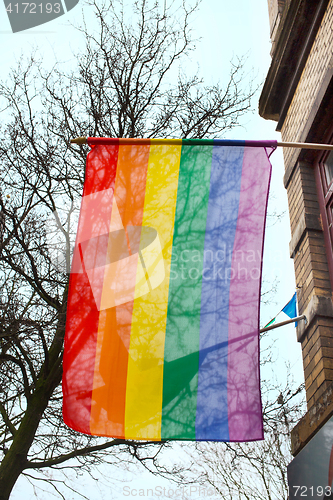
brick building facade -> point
(298, 94)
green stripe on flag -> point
(181, 354)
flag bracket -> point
(277, 325)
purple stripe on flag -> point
(212, 400)
(244, 401)
(264, 144)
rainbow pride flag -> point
(162, 335)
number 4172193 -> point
(32, 8)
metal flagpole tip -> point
(79, 140)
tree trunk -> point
(15, 460)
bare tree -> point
(127, 83)
(254, 470)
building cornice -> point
(296, 33)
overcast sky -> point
(227, 29)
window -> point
(328, 165)
(324, 178)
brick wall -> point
(307, 246)
(298, 93)
(317, 349)
(297, 123)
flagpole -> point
(299, 145)
(305, 145)
(277, 325)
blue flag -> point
(290, 308)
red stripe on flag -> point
(82, 313)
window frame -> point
(325, 199)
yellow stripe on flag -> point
(145, 364)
